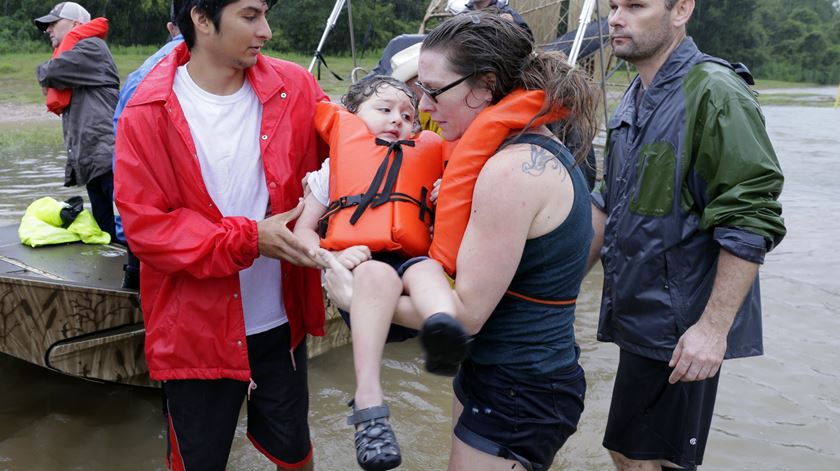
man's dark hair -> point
(669, 4)
(211, 8)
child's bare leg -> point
(376, 291)
(427, 285)
(444, 339)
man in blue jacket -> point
(686, 212)
(131, 278)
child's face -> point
(388, 114)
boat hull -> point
(62, 308)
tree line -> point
(796, 40)
(297, 25)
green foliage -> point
(794, 40)
(729, 29)
(14, 37)
(299, 25)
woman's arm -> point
(504, 206)
(508, 200)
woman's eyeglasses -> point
(434, 92)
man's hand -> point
(701, 348)
(277, 241)
(699, 353)
(338, 280)
(352, 257)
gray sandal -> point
(376, 445)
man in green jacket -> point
(686, 212)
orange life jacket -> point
(379, 191)
(59, 99)
(480, 142)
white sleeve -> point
(319, 183)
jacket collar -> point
(157, 86)
(678, 63)
(667, 77)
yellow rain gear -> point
(42, 225)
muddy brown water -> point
(777, 412)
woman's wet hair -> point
(498, 55)
(365, 88)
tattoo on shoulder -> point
(540, 160)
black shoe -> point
(445, 342)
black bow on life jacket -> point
(373, 197)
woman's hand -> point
(338, 280)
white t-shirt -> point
(226, 131)
(319, 183)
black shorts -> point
(203, 414)
(525, 420)
(651, 419)
(397, 333)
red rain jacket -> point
(191, 255)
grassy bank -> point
(34, 137)
(767, 84)
(18, 85)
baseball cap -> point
(64, 10)
(404, 63)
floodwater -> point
(776, 412)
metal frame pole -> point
(352, 35)
(339, 4)
(583, 22)
(603, 65)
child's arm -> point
(306, 227)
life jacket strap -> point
(343, 202)
(545, 302)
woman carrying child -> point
(371, 204)
(514, 222)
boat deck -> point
(94, 266)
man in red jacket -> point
(210, 154)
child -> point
(375, 214)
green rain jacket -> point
(689, 172)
